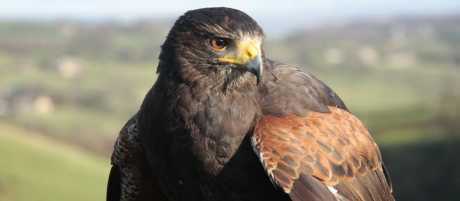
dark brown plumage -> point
(224, 123)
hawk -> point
(225, 123)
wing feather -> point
(113, 185)
(333, 150)
(130, 179)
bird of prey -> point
(225, 123)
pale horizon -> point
(274, 16)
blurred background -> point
(72, 72)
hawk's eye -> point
(219, 44)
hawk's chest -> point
(210, 127)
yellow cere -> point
(247, 49)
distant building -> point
(401, 59)
(333, 56)
(19, 100)
(368, 56)
(69, 68)
(43, 104)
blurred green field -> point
(37, 168)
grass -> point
(36, 168)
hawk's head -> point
(221, 44)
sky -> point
(271, 13)
(147, 8)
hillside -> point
(40, 169)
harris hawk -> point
(225, 123)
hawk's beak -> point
(247, 55)
(255, 66)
